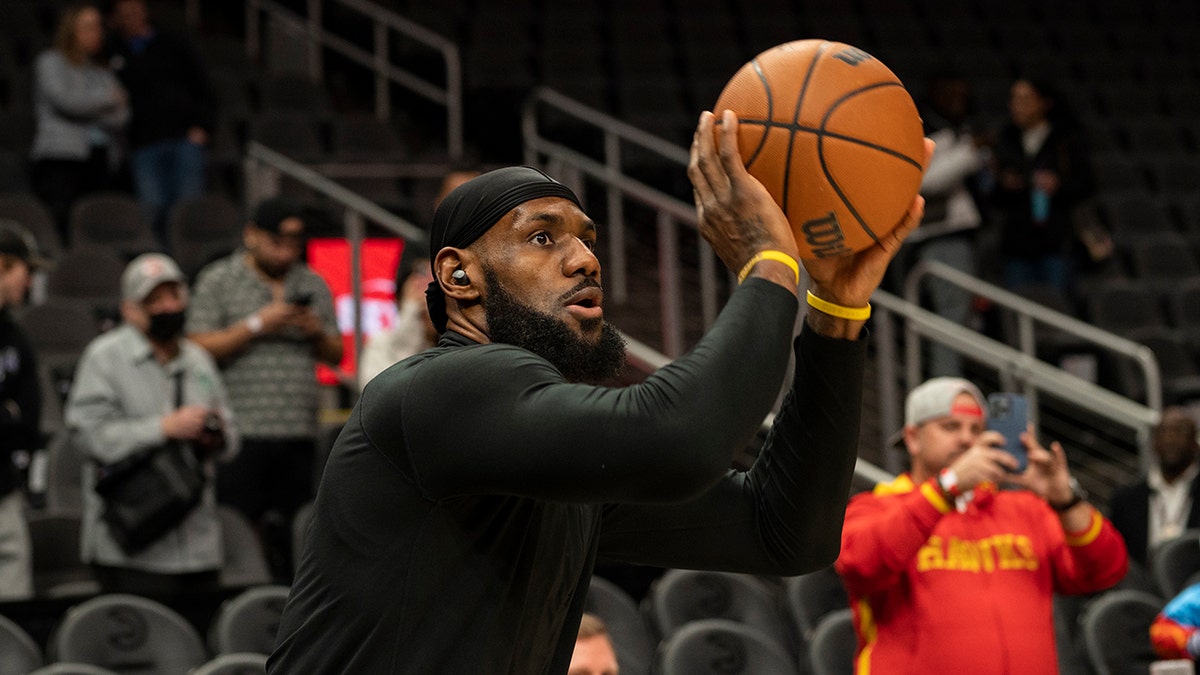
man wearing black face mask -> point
(268, 318)
(139, 386)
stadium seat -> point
(683, 596)
(126, 633)
(64, 468)
(288, 132)
(248, 621)
(113, 220)
(58, 570)
(1177, 364)
(28, 210)
(300, 524)
(90, 277)
(631, 636)
(62, 668)
(1174, 561)
(1163, 260)
(812, 596)
(831, 649)
(245, 563)
(1123, 305)
(288, 92)
(19, 654)
(1183, 302)
(722, 647)
(1115, 628)
(234, 664)
(202, 229)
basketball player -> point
(476, 484)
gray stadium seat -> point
(723, 647)
(630, 635)
(128, 633)
(831, 649)
(245, 563)
(248, 621)
(683, 596)
(1115, 628)
(19, 654)
(234, 664)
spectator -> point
(173, 109)
(20, 407)
(946, 234)
(944, 569)
(1175, 632)
(1042, 173)
(139, 386)
(1163, 503)
(268, 319)
(594, 654)
(81, 111)
(413, 330)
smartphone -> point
(1009, 414)
(301, 299)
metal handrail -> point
(1027, 369)
(384, 23)
(1029, 312)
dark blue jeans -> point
(166, 172)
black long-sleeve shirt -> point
(464, 505)
(20, 398)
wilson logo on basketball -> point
(824, 236)
(852, 56)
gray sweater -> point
(76, 107)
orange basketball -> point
(834, 136)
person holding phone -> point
(947, 570)
(268, 318)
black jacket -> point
(1129, 511)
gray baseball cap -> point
(145, 272)
(935, 398)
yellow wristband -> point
(778, 256)
(841, 312)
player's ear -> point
(453, 268)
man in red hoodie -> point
(946, 571)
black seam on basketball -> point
(834, 106)
(816, 131)
(787, 166)
(762, 142)
(821, 154)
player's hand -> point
(984, 461)
(184, 423)
(738, 217)
(851, 279)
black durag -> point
(473, 208)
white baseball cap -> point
(935, 398)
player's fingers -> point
(710, 161)
(701, 139)
(930, 146)
(731, 157)
(909, 223)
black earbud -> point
(460, 278)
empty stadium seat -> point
(631, 636)
(125, 633)
(113, 220)
(1115, 628)
(810, 597)
(833, 643)
(1174, 561)
(683, 596)
(19, 654)
(722, 647)
(248, 621)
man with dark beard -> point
(475, 485)
(140, 386)
(267, 318)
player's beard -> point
(579, 359)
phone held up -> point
(301, 299)
(1009, 414)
